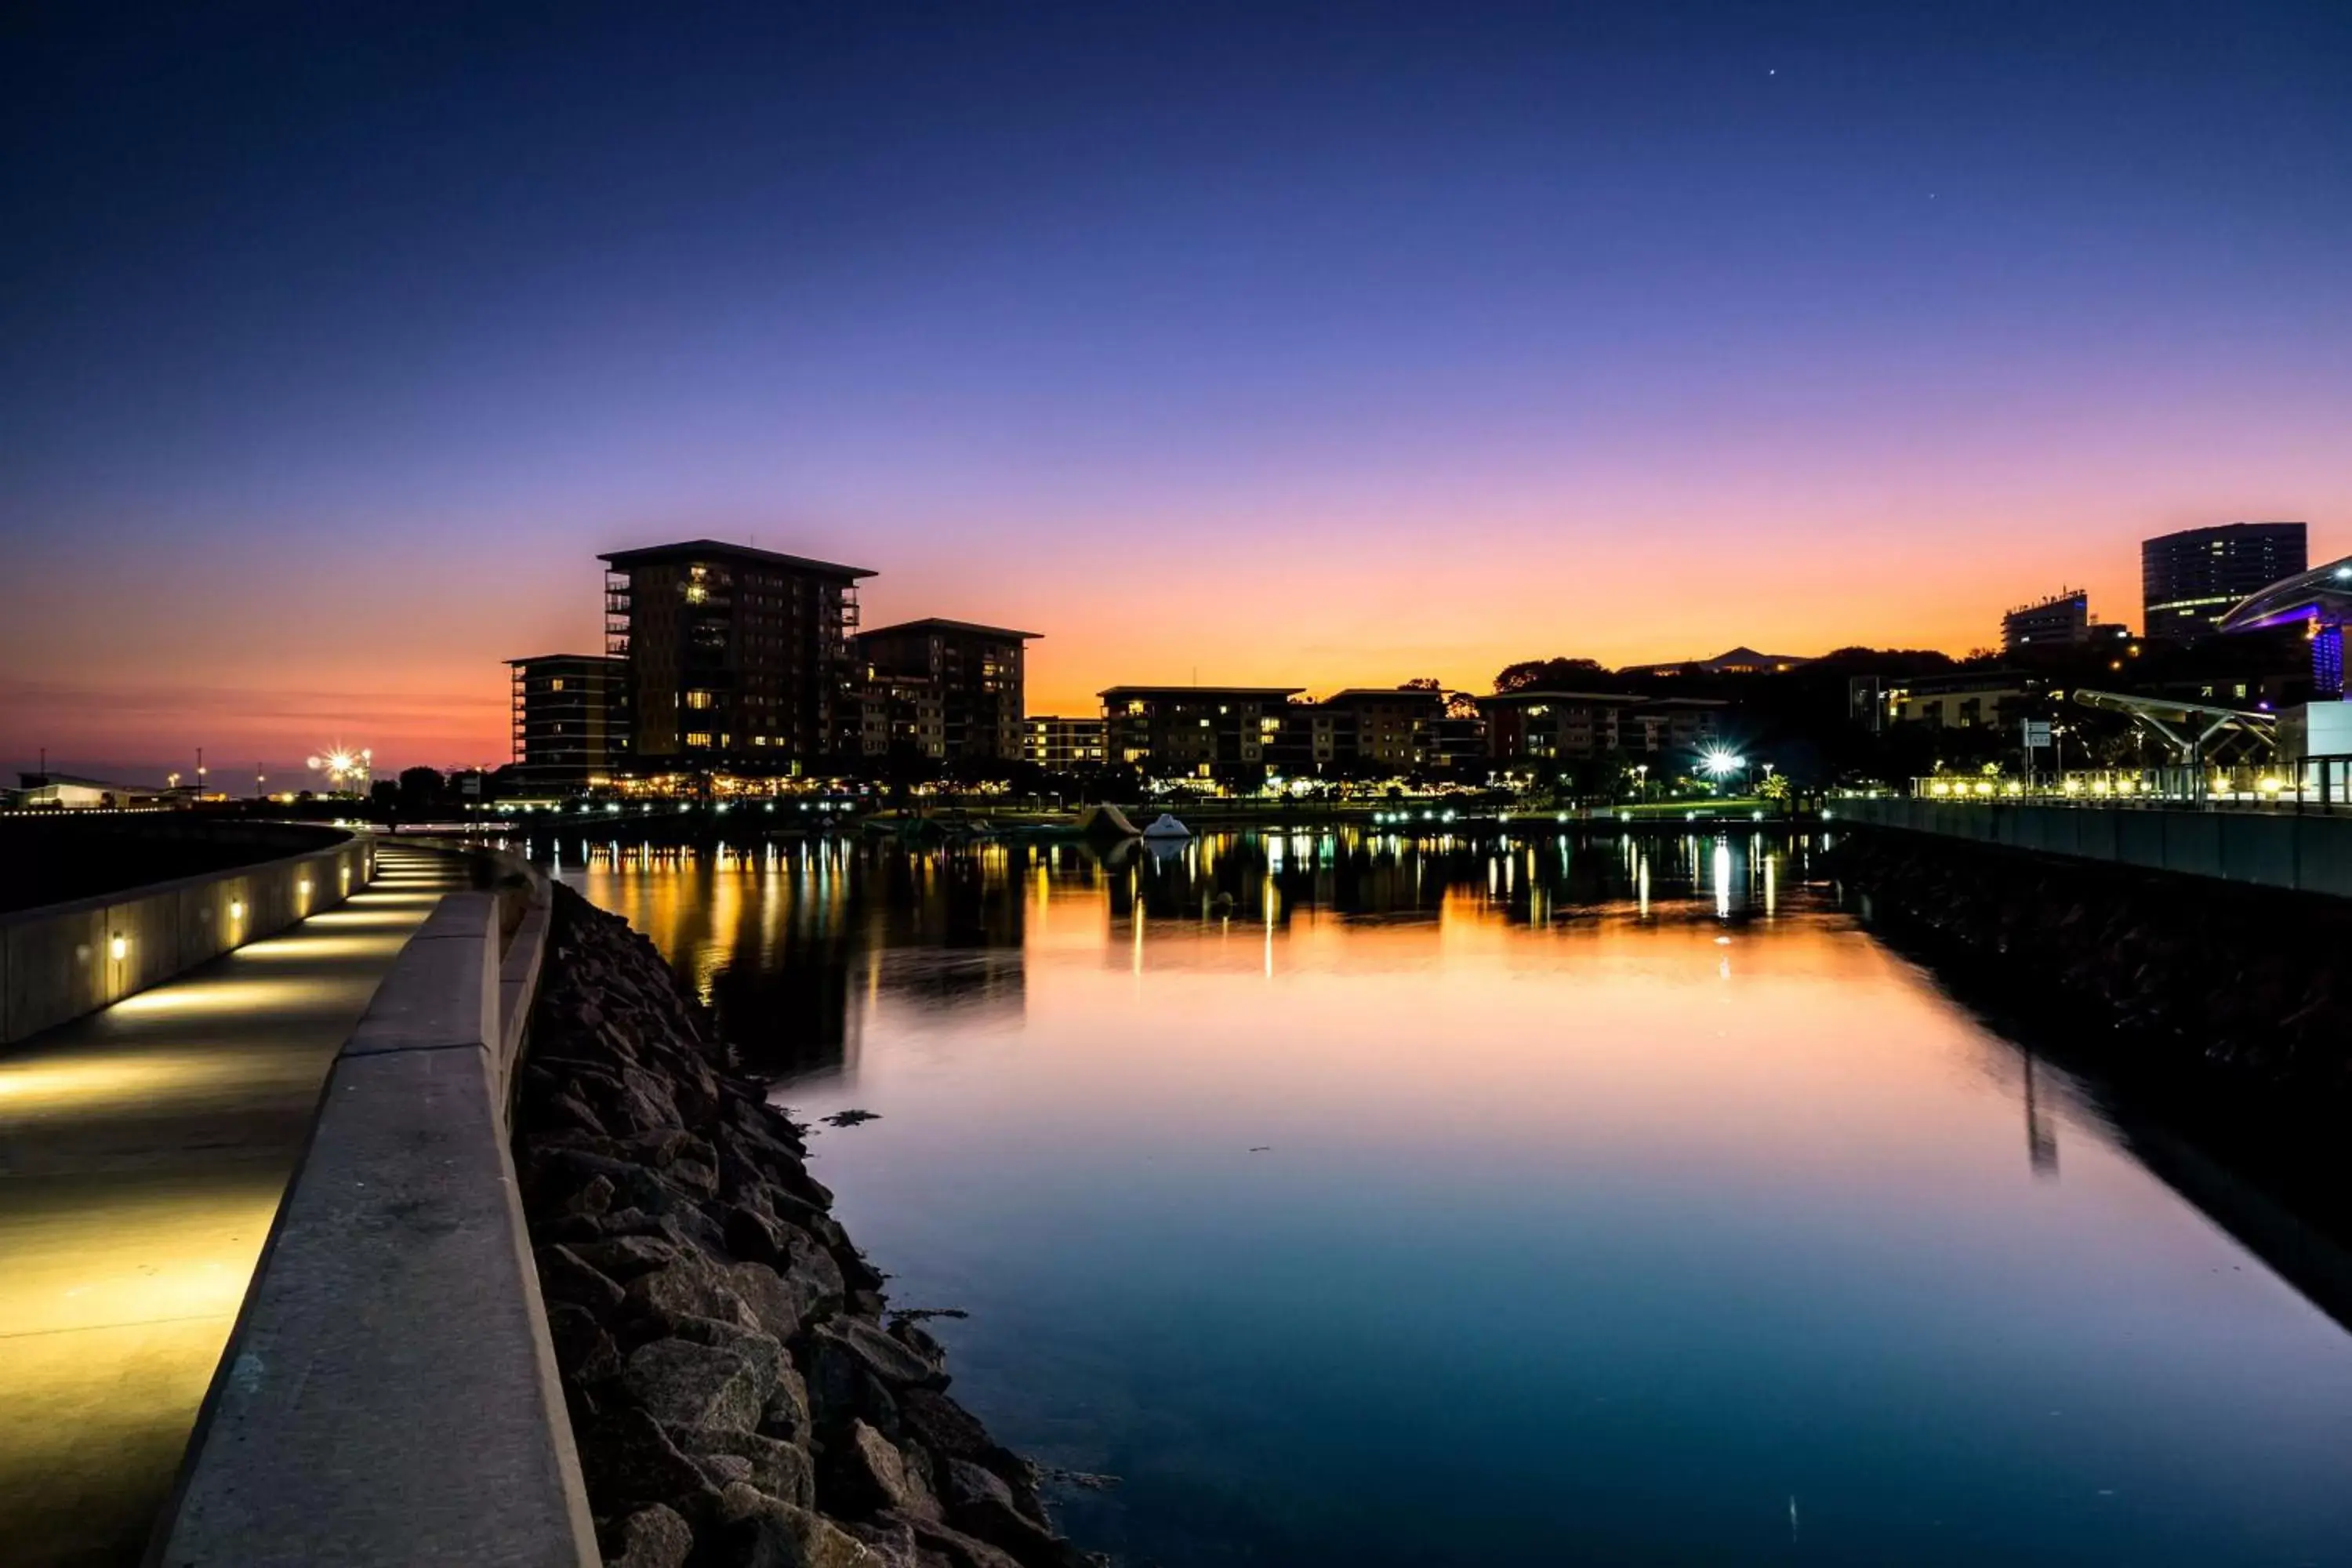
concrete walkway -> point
(142, 1153)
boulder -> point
(777, 1468)
(584, 1352)
(681, 1383)
(758, 1531)
(773, 1303)
(893, 1361)
(624, 1257)
(626, 1461)
(564, 1276)
(959, 1550)
(654, 1537)
(867, 1474)
(982, 1504)
(762, 1350)
(689, 1287)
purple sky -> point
(1312, 344)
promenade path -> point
(144, 1151)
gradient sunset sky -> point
(1306, 344)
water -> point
(1573, 1201)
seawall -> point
(61, 961)
(739, 1390)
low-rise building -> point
(1971, 701)
(1054, 741)
(1192, 729)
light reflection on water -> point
(1563, 1200)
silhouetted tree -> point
(1551, 674)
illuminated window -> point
(698, 738)
(556, 684)
(698, 700)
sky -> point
(1301, 344)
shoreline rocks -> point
(739, 1392)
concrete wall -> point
(61, 960)
(389, 1394)
(2271, 849)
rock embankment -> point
(738, 1391)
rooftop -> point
(1265, 692)
(719, 550)
(942, 624)
(570, 658)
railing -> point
(2316, 784)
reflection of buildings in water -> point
(2041, 1133)
(1529, 879)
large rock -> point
(564, 1276)
(865, 1473)
(653, 1537)
(626, 1461)
(778, 1468)
(893, 1361)
(681, 1383)
(691, 1286)
(950, 1431)
(624, 1257)
(584, 1352)
(755, 1531)
(762, 1350)
(981, 1503)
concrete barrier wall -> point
(61, 960)
(390, 1393)
(2306, 854)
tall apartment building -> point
(976, 672)
(736, 656)
(2188, 580)
(571, 719)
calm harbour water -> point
(1572, 1201)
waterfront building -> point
(736, 657)
(1555, 726)
(1549, 726)
(2189, 580)
(975, 673)
(1192, 729)
(1970, 701)
(901, 715)
(1389, 727)
(570, 719)
(1052, 740)
(1671, 726)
